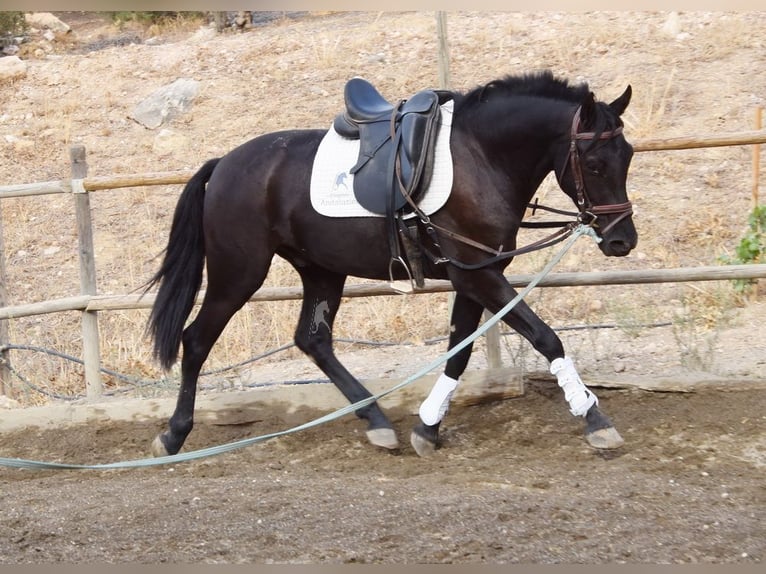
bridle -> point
(589, 211)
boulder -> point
(166, 103)
(12, 67)
(46, 20)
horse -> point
(239, 210)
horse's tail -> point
(180, 275)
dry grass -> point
(690, 205)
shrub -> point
(12, 24)
(752, 246)
(152, 17)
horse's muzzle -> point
(619, 240)
(616, 247)
(619, 235)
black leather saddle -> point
(397, 144)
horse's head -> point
(593, 170)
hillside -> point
(692, 74)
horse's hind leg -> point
(218, 307)
(322, 292)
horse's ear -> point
(622, 102)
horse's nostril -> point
(618, 248)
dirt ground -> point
(515, 480)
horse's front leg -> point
(599, 432)
(464, 321)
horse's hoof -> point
(423, 447)
(384, 438)
(158, 447)
(607, 438)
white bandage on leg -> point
(579, 397)
(433, 409)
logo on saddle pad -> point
(332, 183)
(340, 181)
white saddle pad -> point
(332, 186)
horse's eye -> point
(595, 167)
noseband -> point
(589, 212)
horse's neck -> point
(529, 142)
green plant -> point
(752, 246)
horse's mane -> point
(538, 84)
(541, 85)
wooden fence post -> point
(441, 32)
(5, 359)
(493, 334)
(90, 342)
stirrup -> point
(400, 285)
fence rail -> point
(94, 303)
(89, 303)
(181, 177)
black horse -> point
(239, 210)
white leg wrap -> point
(579, 397)
(433, 409)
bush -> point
(12, 24)
(752, 246)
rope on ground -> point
(220, 449)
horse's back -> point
(263, 166)
(264, 155)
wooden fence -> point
(89, 303)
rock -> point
(204, 34)
(8, 403)
(166, 103)
(12, 67)
(46, 20)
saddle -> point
(396, 153)
(397, 144)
